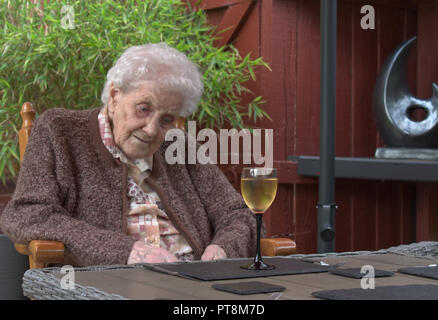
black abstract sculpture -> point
(393, 104)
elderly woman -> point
(97, 179)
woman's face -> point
(141, 118)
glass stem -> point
(258, 257)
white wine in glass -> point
(259, 188)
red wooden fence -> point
(371, 214)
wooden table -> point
(146, 284)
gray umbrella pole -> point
(326, 203)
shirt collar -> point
(143, 164)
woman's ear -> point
(113, 99)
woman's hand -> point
(213, 252)
(144, 253)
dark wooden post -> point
(326, 203)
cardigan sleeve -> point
(233, 223)
(35, 211)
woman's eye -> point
(142, 109)
(166, 120)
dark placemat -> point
(426, 272)
(408, 292)
(356, 274)
(230, 269)
(251, 287)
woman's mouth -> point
(144, 141)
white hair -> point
(160, 64)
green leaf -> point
(3, 81)
(11, 169)
(2, 167)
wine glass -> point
(258, 187)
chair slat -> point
(28, 116)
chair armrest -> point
(277, 247)
(21, 248)
(42, 252)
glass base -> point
(258, 265)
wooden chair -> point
(40, 252)
(43, 252)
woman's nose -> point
(151, 127)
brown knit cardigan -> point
(71, 189)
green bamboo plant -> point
(58, 56)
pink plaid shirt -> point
(147, 220)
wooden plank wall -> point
(427, 73)
(371, 214)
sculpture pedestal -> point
(407, 153)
